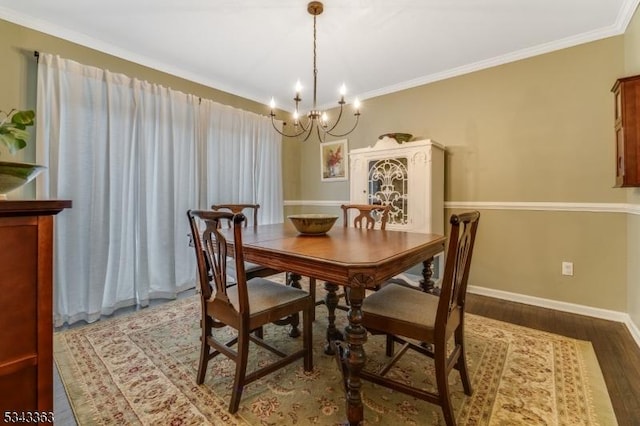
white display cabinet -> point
(409, 177)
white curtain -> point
(134, 157)
(244, 157)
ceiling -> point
(258, 49)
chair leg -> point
(442, 380)
(205, 327)
(462, 362)
(312, 292)
(259, 332)
(390, 345)
(241, 370)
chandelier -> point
(315, 119)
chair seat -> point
(403, 305)
(265, 295)
(249, 268)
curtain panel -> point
(134, 157)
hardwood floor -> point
(617, 352)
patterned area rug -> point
(140, 369)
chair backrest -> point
(211, 249)
(368, 215)
(456, 271)
(239, 208)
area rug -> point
(140, 369)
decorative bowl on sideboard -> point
(399, 137)
(14, 175)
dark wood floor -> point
(617, 352)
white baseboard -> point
(633, 329)
(573, 308)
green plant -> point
(13, 128)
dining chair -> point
(367, 217)
(245, 307)
(252, 270)
(430, 321)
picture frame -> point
(334, 163)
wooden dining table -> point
(356, 258)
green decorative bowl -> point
(313, 224)
(400, 137)
(14, 175)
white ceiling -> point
(258, 49)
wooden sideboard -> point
(26, 299)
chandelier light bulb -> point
(272, 104)
(343, 90)
(298, 87)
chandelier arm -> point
(295, 135)
(303, 127)
(337, 120)
(310, 130)
(321, 137)
(335, 135)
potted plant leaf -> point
(13, 137)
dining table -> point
(354, 258)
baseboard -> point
(573, 308)
(633, 329)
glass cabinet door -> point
(387, 185)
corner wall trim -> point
(573, 308)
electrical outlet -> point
(567, 268)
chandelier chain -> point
(315, 68)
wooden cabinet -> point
(26, 314)
(409, 177)
(627, 130)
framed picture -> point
(334, 165)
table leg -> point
(331, 301)
(426, 283)
(354, 356)
(428, 286)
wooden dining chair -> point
(245, 307)
(252, 270)
(403, 313)
(368, 216)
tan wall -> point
(536, 130)
(632, 67)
